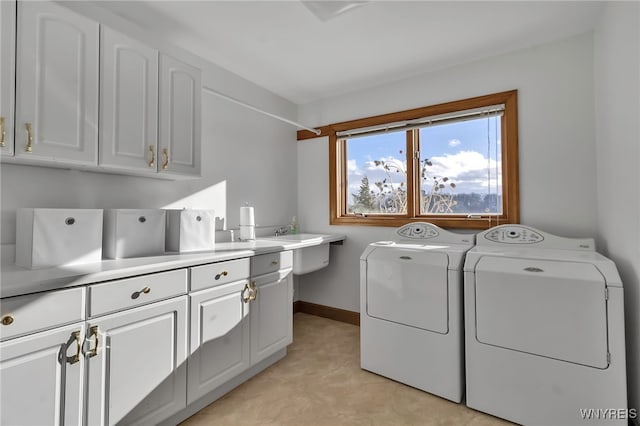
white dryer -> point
(411, 305)
(544, 328)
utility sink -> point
(309, 258)
(300, 237)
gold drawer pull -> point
(274, 263)
(221, 274)
(246, 298)
(93, 332)
(29, 147)
(75, 358)
(137, 294)
(3, 133)
(7, 319)
(254, 291)
(152, 153)
(165, 163)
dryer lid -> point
(547, 308)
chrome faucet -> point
(283, 230)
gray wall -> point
(556, 148)
(617, 106)
(579, 131)
(246, 157)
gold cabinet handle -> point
(3, 133)
(29, 147)
(165, 163)
(7, 319)
(246, 298)
(75, 336)
(93, 333)
(254, 291)
(152, 153)
(220, 275)
(137, 294)
(274, 263)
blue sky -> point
(457, 150)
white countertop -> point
(15, 280)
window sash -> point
(338, 191)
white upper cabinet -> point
(128, 103)
(75, 93)
(7, 75)
(180, 117)
(57, 85)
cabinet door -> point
(180, 105)
(57, 85)
(219, 337)
(138, 372)
(7, 75)
(271, 314)
(40, 381)
(128, 102)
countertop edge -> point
(17, 281)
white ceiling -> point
(285, 48)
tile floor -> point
(320, 383)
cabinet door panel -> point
(180, 105)
(38, 386)
(271, 314)
(7, 75)
(219, 338)
(129, 102)
(57, 83)
(139, 374)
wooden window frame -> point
(509, 153)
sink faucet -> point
(282, 231)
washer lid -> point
(542, 307)
(455, 253)
(409, 287)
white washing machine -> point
(411, 305)
(544, 327)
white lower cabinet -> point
(236, 325)
(271, 314)
(219, 337)
(136, 364)
(41, 378)
(127, 361)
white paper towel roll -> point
(247, 223)
(247, 233)
(247, 216)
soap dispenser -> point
(293, 228)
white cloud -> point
(352, 168)
(454, 143)
(392, 161)
(467, 169)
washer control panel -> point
(514, 235)
(418, 231)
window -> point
(452, 164)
